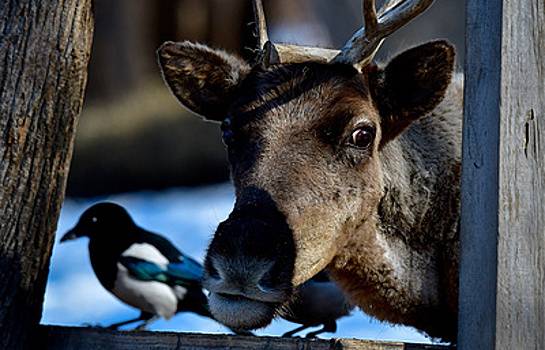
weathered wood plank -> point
(44, 51)
(502, 292)
(520, 319)
(479, 192)
(63, 338)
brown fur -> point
(202, 79)
(417, 218)
(383, 218)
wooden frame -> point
(61, 338)
(502, 273)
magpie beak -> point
(70, 235)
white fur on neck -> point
(405, 263)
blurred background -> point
(135, 145)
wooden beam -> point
(479, 192)
(44, 50)
(64, 338)
(502, 272)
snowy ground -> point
(187, 217)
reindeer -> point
(339, 163)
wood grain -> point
(520, 319)
(479, 192)
(44, 50)
(502, 274)
(63, 338)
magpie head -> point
(99, 219)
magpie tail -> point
(195, 301)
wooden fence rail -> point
(64, 338)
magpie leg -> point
(146, 323)
(329, 327)
(143, 317)
(293, 331)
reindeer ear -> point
(412, 85)
(204, 80)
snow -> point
(188, 217)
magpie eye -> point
(94, 219)
(362, 137)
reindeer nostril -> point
(212, 270)
(266, 282)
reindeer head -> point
(304, 143)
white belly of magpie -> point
(150, 296)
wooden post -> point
(44, 50)
(502, 272)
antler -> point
(261, 23)
(363, 45)
(272, 53)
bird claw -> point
(314, 335)
(289, 335)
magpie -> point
(141, 268)
(317, 302)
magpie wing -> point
(143, 270)
(186, 269)
(185, 273)
(181, 270)
(162, 244)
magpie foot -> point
(293, 331)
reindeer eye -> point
(227, 134)
(362, 137)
